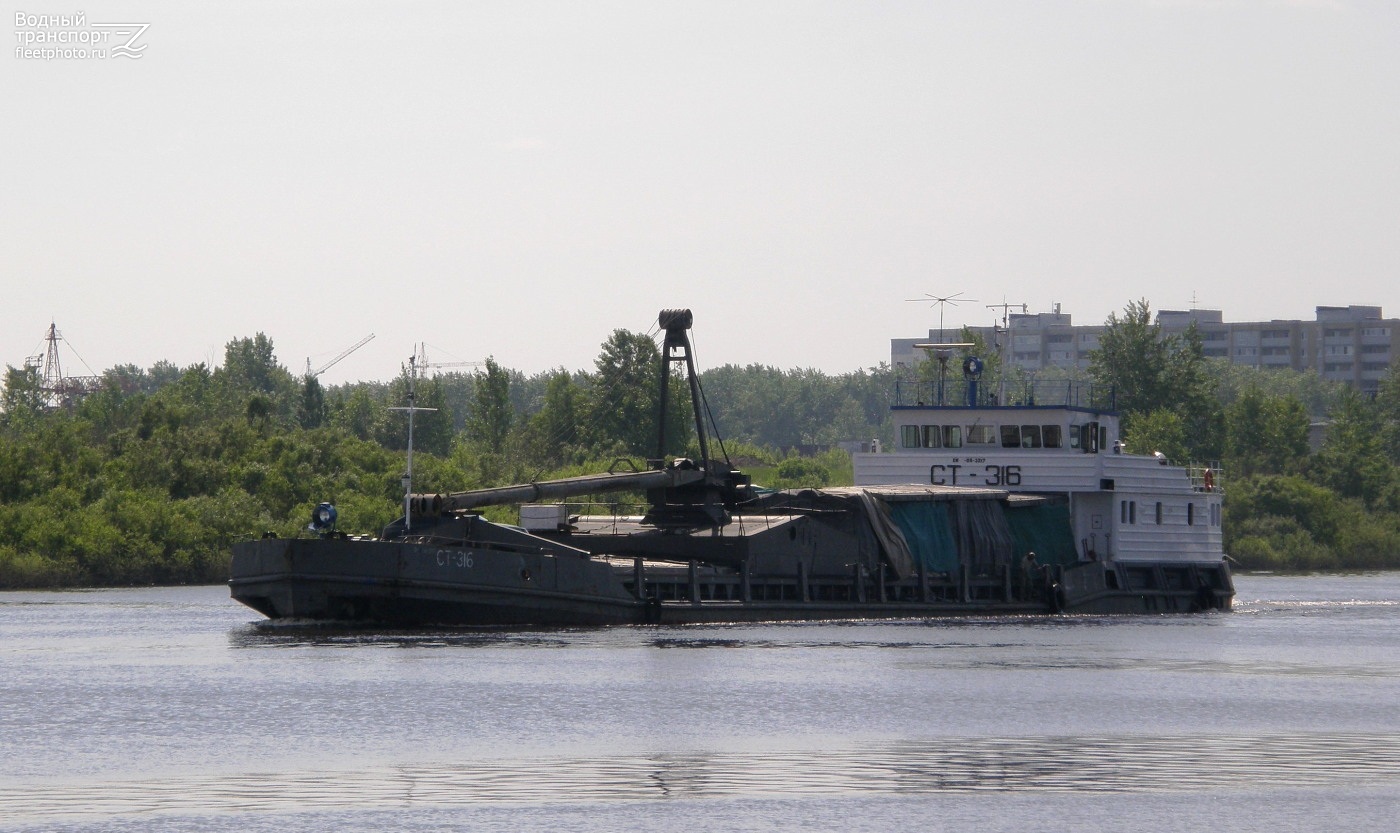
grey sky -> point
(518, 179)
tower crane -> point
(56, 388)
(421, 359)
(328, 365)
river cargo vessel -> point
(919, 536)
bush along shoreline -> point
(153, 476)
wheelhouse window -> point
(981, 435)
(1089, 437)
(1008, 436)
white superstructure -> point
(1124, 507)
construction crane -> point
(312, 374)
(421, 360)
(56, 388)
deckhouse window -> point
(909, 436)
(1030, 436)
(1190, 514)
(1089, 437)
(931, 436)
(952, 436)
(1159, 513)
(981, 435)
(1010, 436)
(1052, 436)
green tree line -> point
(151, 478)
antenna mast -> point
(408, 475)
(1005, 329)
(1006, 312)
(942, 347)
(942, 303)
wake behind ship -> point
(950, 523)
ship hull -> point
(387, 583)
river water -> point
(177, 709)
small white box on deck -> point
(543, 517)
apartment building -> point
(1354, 344)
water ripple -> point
(1065, 764)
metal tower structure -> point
(56, 388)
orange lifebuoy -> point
(1209, 480)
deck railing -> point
(983, 393)
(1206, 477)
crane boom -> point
(422, 354)
(557, 489)
(347, 351)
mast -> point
(53, 369)
(408, 474)
(997, 333)
(676, 348)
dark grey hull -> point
(415, 584)
(412, 585)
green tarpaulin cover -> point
(930, 535)
(1044, 529)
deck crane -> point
(312, 374)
